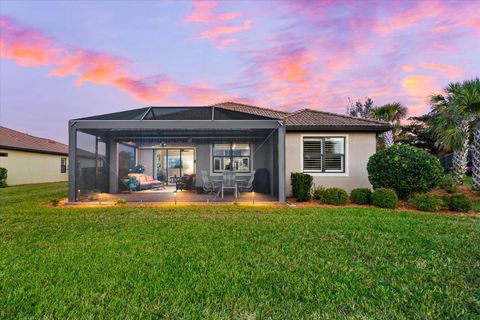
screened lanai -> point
(177, 150)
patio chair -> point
(229, 182)
(208, 185)
(246, 185)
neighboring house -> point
(31, 159)
(172, 142)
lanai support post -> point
(113, 165)
(72, 164)
(281, 162)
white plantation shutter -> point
(324, 154)
(312, 154)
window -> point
(231, 156)
(63, 165)
(3, 154)
(324, 154)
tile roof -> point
(314, 119)
(259, 111)
(304, 119)
(16, 140)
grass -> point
(232, 262)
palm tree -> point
(392, 113)
(451, 127)
(454, 113)
(467, 100)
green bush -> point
(384, 198)
(301, 186)
(3, 177)
(120, 201)
(459, 202)
(361, 196)
(428, 202)
(54, 202)
(318, 193)
(335, 196)
(448, 184)
(405, 169)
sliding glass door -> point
(174, 163)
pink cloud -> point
(448, 70)
(28, 47)
(219, 24)
(204, 12)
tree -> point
(417, 133)
(392, 113)
(452, 130)
(467, 100)
(360, 110)
(454, 113)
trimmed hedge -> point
(459, 202)
(361, 196)
(335, 196)
(318, 193)
(384, 198)
(3, 177)
(405, 169)
(427, 202)
(448, 184)
(301, 186)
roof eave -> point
(34, 150)
(338, 128)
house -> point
(171, 143)
(31, 159)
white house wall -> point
(359, 147)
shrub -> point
(120, 201)
(54, 202)
(427, 202)
(3, 177)
(361, 196)
(318, 193)
(301, 186)
(335, 196)
(459, 202)
(448, 184)
(405, 169)
(384, 198)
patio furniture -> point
(261, 183)
(246, 185)
(187, 182)
(229, 183)
(208, 185)
(144, 181)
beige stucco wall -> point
(29, 167)
(359, 147)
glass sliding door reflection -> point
(188, 161)
(161, 165)
(174, 165)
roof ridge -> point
(345, 116)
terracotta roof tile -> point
(12, 139)
(259, 111)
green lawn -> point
(232, 262)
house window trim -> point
(63, 167)
(243, 173)
(346, 156)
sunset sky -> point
(62, 60)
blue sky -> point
(68, 59)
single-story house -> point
(196, 146)
(31, 159)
